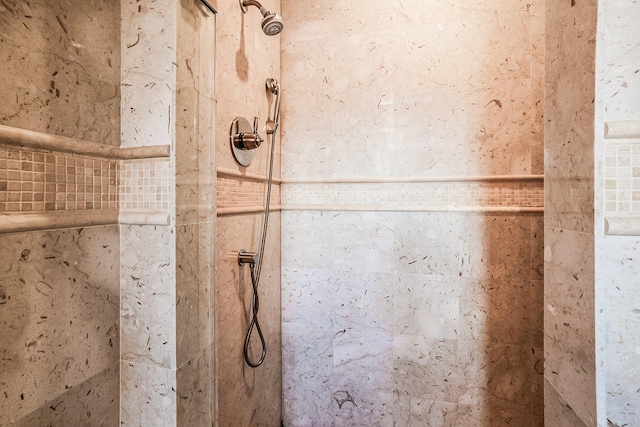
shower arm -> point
(246, 3)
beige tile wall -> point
(617, 173)
(245, 58)
(404, 313)
(569, 299)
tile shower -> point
(108, 213)
(403, 283)
(412, 213)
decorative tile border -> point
(241, 193)
(621, 176)
(38, 182)
(437, 194)
(23, 138)
(145, 185)
(622, 179)
(237, 196)
(41, 189)
(622, 129)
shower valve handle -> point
(248, 141)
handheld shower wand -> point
(272, 124)
(254, 260)
(271, 23)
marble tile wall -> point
(244, 193)
(145, 185)
(569, 248)
(616, 271)
(59, 291)
(471, 106)
(158, 354)
(245, 58)
(167, 357)
(396, 318)
(71, 49)
(59, 301)
(421, 317)
(246, 396)
(148, 265)
(195, 215)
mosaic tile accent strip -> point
(622, 179)
(239, 193)
(426, 195)
(38, 182)
(145, 185)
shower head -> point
(271, 23)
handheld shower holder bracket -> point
(245, 257)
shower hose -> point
(256, 269)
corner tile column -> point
(147, 253)
(166, 273)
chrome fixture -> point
(272, 124)
(244, 139)
(245, 257)
(271, 23)
(253, 259)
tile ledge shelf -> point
(245, 210)
(232, 173)
(622, 226)
(419, 179)
(625, 129)
(22, 138)
(373, 208)
(15, 222)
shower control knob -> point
(248, 140)
(244, 139)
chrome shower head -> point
(271, 23)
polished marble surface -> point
(245, 58)
(569, 154)
(394, 331)
(62, 68)
(619, 279)
(617, 270)
(569, 341)
(382, 311)
(247, 396)
(571, 227)
(59, 313)
(93, 402)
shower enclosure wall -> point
(412, 135)
(107, 265)
(412, 223)
(246, 58)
